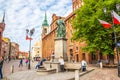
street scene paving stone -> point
(25, 74)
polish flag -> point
(27, 38)
(105, 24)
(116, 17)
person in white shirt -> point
(52, 57)
(84, 64)
(61, 60)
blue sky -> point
(28, 14)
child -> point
(26, 62)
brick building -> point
(2, 27)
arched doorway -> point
(77, 57)
(71, 54)
(93, 58)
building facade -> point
(5, 47)
(36, 50)
(14, 50)
(2, 27)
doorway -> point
(71, 54)
(77, 57)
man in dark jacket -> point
(1, 65)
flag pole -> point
(115, 36)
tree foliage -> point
(87, 27)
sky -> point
(27, 14)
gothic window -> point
(71, 52)
(83, 55)
(76, 48)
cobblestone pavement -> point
(7, 67)
(101, 74)
(25, 74)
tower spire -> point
(3, 20)
(45, 23)
(45, 16)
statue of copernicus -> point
(61, 29)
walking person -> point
(61, 60)
(84, 64)
(26, 62)
(1, 65)
(21, 63)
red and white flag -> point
(27, 38)
(116, 17)
(105, 24)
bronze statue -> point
(61, 29)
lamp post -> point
(30, 32)
(115, 38)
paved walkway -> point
(7, 67)
(101, 74)
(32, 75)
(25, 74)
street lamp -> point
(118, 7)
(30, 32)
(115, 37)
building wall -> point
(2, 26)
(36, 49)
(48, 40)
(5, 49)
(14, 50)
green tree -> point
(88, 28)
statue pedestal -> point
(61, 48)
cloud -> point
(28, 14)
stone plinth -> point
(52, 65)
(72, 66)
(45, 72)
(61, 48)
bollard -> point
(77, 74)
(101, 66)
(50, 65)
(12, 69)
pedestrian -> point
(52, 57)
(39, 63)
(21, 62)
(26, 62)
(84, 64)
(100, 63)
(61, 61)
(1, 65)
(73, 60)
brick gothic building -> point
(74, 50)
(2, 27)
